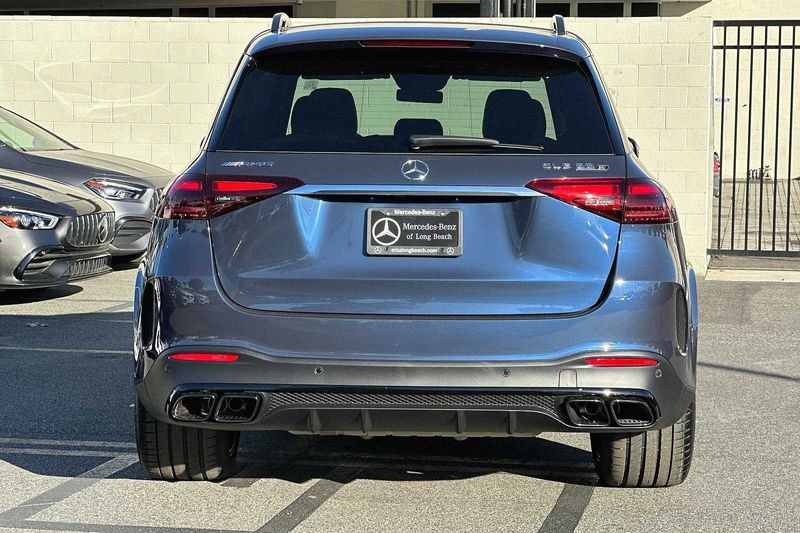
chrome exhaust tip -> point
(237, 407)
(193, 406)
(630, 412)
(587, 412)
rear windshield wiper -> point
(425, 142)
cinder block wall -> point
(659, 74)
(148, 88)
(732, 9)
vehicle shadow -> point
(67, 406)
(17, 296)
(126, 265)
(410, 459)
(280, 456)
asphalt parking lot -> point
(68, 463)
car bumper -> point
(132, 234)
(370, 398)
(51, 267)
(134, 221)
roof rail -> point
(558, 25)
(280, 22)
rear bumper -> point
(179, 306)
(421, 399)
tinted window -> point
(265, 12)
(373, 100)
(548, 10)
(461, 9)
(600, 9)
(644, 9)
(193, 12)
(143, 12)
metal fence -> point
(757, 154)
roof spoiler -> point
(280, 22)
(558, 25)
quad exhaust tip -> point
(193, 406)
(237, 408)
(631, 412)
(620, 412)
(588, 412)
(227, 408)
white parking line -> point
(124, 306)
(784, 276)
(109, 468)
(52, 451)
(63, 350)
(82, 443)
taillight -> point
(185, 198)
(612, 361)
(201, 196)
(601, 196)
(647, 203)
(629, 201)
(416, 43)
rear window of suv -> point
(373, 100)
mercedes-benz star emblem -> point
(102, 230)
(415, 170)
(386, 231)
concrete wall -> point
(148, 88)
(659, 74)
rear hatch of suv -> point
(413, 180)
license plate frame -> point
(413, 231)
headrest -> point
(512, 117)
(326, 112)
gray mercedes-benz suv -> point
(416, 229)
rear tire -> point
(658, 458)
(172, 453)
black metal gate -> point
(756, 178)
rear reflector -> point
(416, 43)
(621, 361)
(629, 201)
(200, 197)
(205, 357)
(190, 185)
